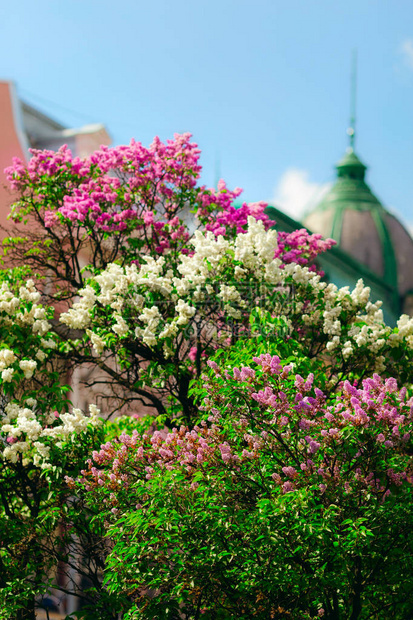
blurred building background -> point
(372, 243)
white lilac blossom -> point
(220, 268)
(7, 375)
(32, 434)
(28, 367)
(24, 323)
(154, 303)
(7, 357)
(120, 287)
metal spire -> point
(217, 168)
(351, 131)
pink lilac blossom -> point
(301, 247)
(330, 447)
(138, 190)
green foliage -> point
(37, 522)
(127, 424)
(226, 539)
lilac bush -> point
(272, 476)
(286, 500)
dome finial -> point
(351, 131)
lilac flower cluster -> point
(334, 440)
(356, 441)
(141, 191)
(300, 247)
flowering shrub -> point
(286, 500)
(288, 497)
(164, 321)
(138, 198)
(103, 241)
(35, 408)
(41, 441)
(118, 229)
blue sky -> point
(263, 85)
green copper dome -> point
(352, 215)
